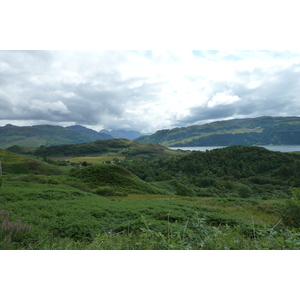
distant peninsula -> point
(253, 131)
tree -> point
(244, 191)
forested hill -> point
(122, 147)
(255, 131)
(35, 136)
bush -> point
(0, 182)
(244, 191)
(291, 212)
(183, 190)
(206, 181)
(105, 191)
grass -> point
(96, 159)
(114, 176)
(63, 217)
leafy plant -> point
(291, 212)
(183, 190)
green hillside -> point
(35, 136)
(16, 164)
(115, 146)
(110, 178)
(260, 172)
(256, 131)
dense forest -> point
(264, 172)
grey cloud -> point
(88, 88)
(277, 95)
(102, 94)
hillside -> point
(35, 136)
(110, 178)
(16, 164)
(224, 171)
(256, 131)
(122, 147)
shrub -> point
(183, 190)
(291, 212)
(105, 191)
(244, 191)
(206, 181)
(0, 182)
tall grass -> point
(11, 232)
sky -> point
(81, 63)
(146, 90)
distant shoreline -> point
(280, 148)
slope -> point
(16, 164)
(35, 136)
(103, 175)
(255, 131)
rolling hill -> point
(255, 131)
(122, 147)
(16, 164)
(35, 136)
(114, 177)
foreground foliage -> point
(57, 216)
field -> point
(182, 202)
(95, 159)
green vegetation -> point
(110, 175)
(115, 148)
(257, 131)
(35, 136)
(16, 164)
(240, 171)
(239, 197)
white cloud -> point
(223, 98)
(146, 90)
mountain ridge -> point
(123, 134)
(263, 130)
(47, 135)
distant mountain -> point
(122, 134)
(252, 131)
(47, 135)
(90, 133)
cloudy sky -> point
(146, 90)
